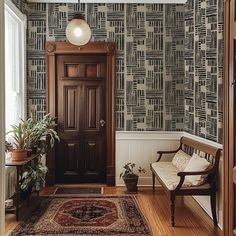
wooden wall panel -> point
(91, 161)
(229, 118)
(72, 160)
(71, 99)
(92, 116)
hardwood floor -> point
(191, 219)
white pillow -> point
(181, 160)
(196, 163)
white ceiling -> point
(110, 1)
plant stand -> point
(19, 167)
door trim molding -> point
(229, 116)
(105, 48)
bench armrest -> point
(182, 175)
(165, 152)
(205, 172)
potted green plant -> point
(46, 133)
(20, 140)
(27, 135)
(130, 178)
(43, 135)
(39, 131)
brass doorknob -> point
(102, 122)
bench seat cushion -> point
(167, 172)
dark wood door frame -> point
(229, 118)
(106, 48)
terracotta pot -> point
(19, 155)
(131, 183)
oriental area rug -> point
(108, 215)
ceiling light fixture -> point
(78, 31)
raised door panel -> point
(71, 164)
(92, 70)
(92, 107)
(91, 160)
(74, 70)
(94, 162)
(71, 108)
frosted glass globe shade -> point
(78, 32)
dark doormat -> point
(104, 215)
(79, 191)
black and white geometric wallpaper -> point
(204, 53)
(169, 61)
(21, 5)
(149, 60)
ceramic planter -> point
(131, 183)
(19, 155)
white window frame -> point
(22, 19)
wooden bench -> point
(209, 187)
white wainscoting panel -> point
(141, 148)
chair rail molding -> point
(2, 123)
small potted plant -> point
(130, 178)
(43, 136)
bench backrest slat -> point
(210, 153)
(199, 146)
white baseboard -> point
(205, 205)
(143, 181)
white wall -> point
(141, 148)
(2, 123)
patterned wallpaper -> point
(150, 73)
(204, 53)
(21, 4)
(150, 58)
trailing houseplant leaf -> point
(129, 170)
(33, 176)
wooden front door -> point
(81, 106)
(81, 94)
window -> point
(15, 54)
